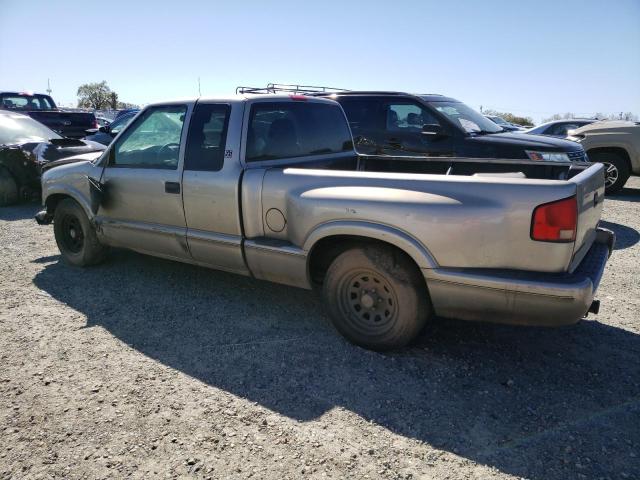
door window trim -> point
(223, 134)
(124, 135)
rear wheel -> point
(376, 297)
(8, 188)
(75, 236)
(616, 170)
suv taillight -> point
(555, 221)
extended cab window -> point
(153, 141)
(296, 129)
(207, 137)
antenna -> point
(49, 88)
(199, 92)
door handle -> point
(172, 187)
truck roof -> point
(428, 97)
(245, 97)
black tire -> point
(75, 236)
(376, 297)
(616, 171)
(8, 188)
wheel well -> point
(326, 250)
(621, 152)
(52, 201)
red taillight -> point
(555, 221)
(301, 98)
(95, 124)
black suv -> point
(402, 124)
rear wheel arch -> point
(328, 248)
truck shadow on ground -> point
(625, 236)
(21, 211)
(529, 402)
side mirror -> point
(433, 130)
(105, 129)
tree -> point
(510, 117)
(114, 101)
(94, 95)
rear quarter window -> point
(296, 129)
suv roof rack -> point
(291, 88)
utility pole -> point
(480, 108)
(49, 88)
(199, 92)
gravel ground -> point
(146, 368)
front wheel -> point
(75, 236)
(376, 297)
(8, 188)
(616, 170)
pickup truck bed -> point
(474, 239)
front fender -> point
(71, 181)
(411, 246)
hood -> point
(608, 126)
(525, 141)
(57, 149)
(85, 157)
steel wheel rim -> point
(72, 234)
(368, 302)
(610, 174)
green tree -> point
(510, 117)
(94, 95)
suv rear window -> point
(296, 129)
(25, 102)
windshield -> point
(466, 117)
(15, 129)
(18, 101)
(498, 120)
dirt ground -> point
(145, 368)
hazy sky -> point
(533, 58)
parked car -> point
(402, 124)
(102, 121)
(560, 128)
(43, 109)
(271, 187)
(26, 147)
(501, 122)
(126, 112)
(106, 134)
(614, 143)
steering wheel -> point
(165, 149)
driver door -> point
(403, 133)
(142, 209)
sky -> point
(532, 58)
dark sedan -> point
(106, 133)
(26, 146)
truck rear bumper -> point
(520, 297)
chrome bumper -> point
(519, 297)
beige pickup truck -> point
(616, 144)
(270, 186)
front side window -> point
(296, 129)
(207, 137)
(408, 117)
(154, 140)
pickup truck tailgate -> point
(590, 200)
